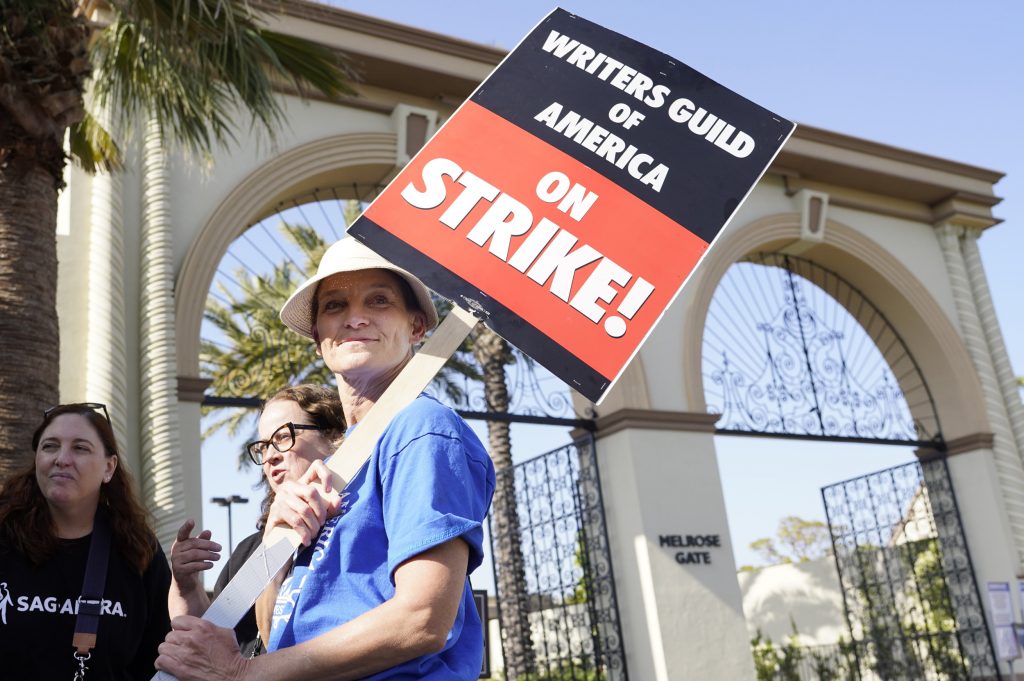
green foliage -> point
(575, 670)
(825, 666)
(796, 540)
(848, 656)
(835, 667)
(189, 64)
(916, 638)
(92, 147)
(772, 663)
(256, 355)
(931, 609)
(766, 657)
(765, 547)
(789, 664)
(461, 363)
(581, 592)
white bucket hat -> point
(347, 255)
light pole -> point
(228, 501)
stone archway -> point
(796, 351)
(358, 161)
(915, 313)
(940, 336)
(645, 442)
(352, 164)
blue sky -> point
(938, 77)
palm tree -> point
(493, 353)
(255, 355)
(186, 65)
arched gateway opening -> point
(792, 350)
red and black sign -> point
(570, 198)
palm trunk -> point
(28, 313)
(43, 67)
(492, 352)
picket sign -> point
(569, 199)
(280, 543)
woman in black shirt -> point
(47, 518)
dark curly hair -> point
(25, 518)
(324, 407)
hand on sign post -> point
(196, 650)
(305, 505)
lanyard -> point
(88, 620)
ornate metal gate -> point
(563, 557)
(572, 605)
(791, 349)
(912, 604)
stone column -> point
(105, 349)
(162, 485)
(680, 604)
(993, 336)
(1005, 453)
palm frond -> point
(189, 64)
(291, 61)
(92, 147)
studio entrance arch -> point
(793, 350)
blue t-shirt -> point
(427, 481)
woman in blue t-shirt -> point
(382, 592)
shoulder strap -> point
(88, 620)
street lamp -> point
(228, 501)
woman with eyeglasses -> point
(85, 579)
(297, 426)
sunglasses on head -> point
(79, 407)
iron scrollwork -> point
(783, 356)
(912, 603)
(569, 580)
(532, 390)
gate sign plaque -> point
(569, 199)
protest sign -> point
(569, 199)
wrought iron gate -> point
(912, 603)
(571, 605)
(791, 349)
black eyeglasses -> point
(79, 407)
(282, 440)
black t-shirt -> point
(38, 611)
(246, 631)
